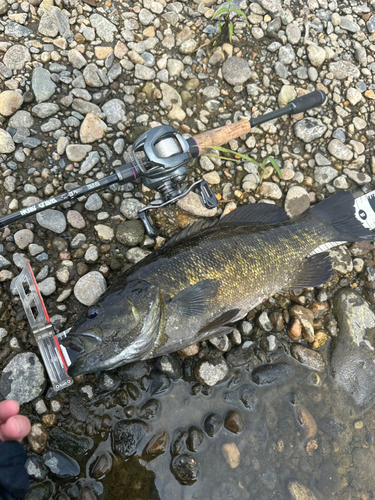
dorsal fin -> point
(254, 213)
(191, 230)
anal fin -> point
(313, 271)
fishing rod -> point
(160, 158)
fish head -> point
(119, 328)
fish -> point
(206, 278)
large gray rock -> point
(23, 378)
(17, 30)
(342, 69)
(353, 350)
(52, 219)
(104, 28)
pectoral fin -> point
(313, 271)
(196, 299)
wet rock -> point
(149, 410)
(234, 422)
(240, 355)
(308, 357)
(42, 491)
(236, 70)
(23, 378)
(134, 371)
(309, 129)
(221, 342)
(75, 446)
(231, 454)
(157, 445)
(86, 494)
(90, 287)
(341, 259)
(61, 465)
(185, 469)
(352, 351)
(52, 219)
(101, 466)
(212, 424)
(109, 381)
(300, 492)
(179, 442)
(37, 438)
(159, 383)
(272, 374)
(170, 366)
(130, 232)
(35, 468)
(194, 438)
(269, 343)
(248, 397)
(127, 436)
(211, 371)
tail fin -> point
(339, 211)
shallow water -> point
(301, 441)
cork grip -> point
(221, 135)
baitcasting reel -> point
(163, 156)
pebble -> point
(75, 219)
(114, 111)
(308, 357)
(92, 129)
(309, 129)
(236, 70)
(297, 201)
(89, 288)
(316, 55)
(211, 371)
(47, 286)
(272, 373)
(23, 238)
(130, 208)
(10, 102)
(127, 436)
(340, 150)
(93, 203)
(185, 469)
(104, 28)
(42, 85)
(52, 219)
(6, 142)
(37, 438)
(299, 492)
(231, 454)
(343, 69)
(130, 233)
(16, 57)
(61, 465)
(77, 152)
(23, 378)
(234, 422)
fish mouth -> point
(78, 347)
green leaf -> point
(240, 13)
(230, 31)
(221, 157)
(225, 150)
(219, 12)
(220, 27)
(275, 166)
(229, 2)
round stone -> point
(270, 190)
(114, 111)
(316, 55)
(52, 220)
(211, 371)
(127, 436)
(75, 219)
(93, 203)
(21, 119)
(16, 57)
(340, 150)
(6, 142)
(92, 129)
(130, 208)
(23, 378)
(236, 70)
(130, 232)
(297, 201)
(42, 85)
(287, 94)
(286, 54)
(89, 288)
(61, 465)
(188, 47)
(10, 102)
(234, 422)
(23, 238)
(77, 152)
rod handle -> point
(308, 101)
(222, 135)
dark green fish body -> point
(207, 277)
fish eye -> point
(93, 312)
